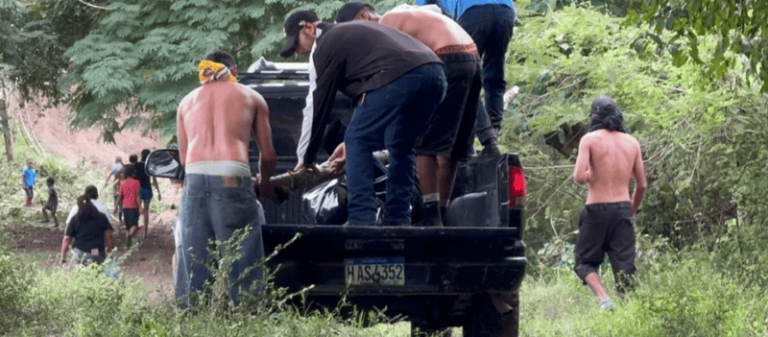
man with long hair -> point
(609, 158)
(214, 125)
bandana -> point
(217, 69)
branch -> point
(92, 5)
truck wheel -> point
(485, 321)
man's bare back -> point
(608, 160)
(212, 119)
(434, 30)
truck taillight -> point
(516, 189)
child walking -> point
(129, 197)
(53, 202)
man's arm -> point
(326, 63)
(581, 173)
(267, 156)
(638, 172)
(64, 247)
(181, 133)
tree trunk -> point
(6, 130)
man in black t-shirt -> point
(396, 82)
(145, 193)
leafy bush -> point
(14, 286)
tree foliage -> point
(703, 139)
(740, 26)
(141, 58)
(33, 37)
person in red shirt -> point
(129, 197)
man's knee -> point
(584, 269)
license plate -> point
(375, 270)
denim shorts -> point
(213, 207)
(145, 193)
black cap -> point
(350, 9)
(292, 27)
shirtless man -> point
(608, 159)
(214, 123)
(449, 136)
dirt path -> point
(151, 261)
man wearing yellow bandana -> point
(214, 125)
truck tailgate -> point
(443, 260)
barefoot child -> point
(53, 202)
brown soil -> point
(150, 261)
(50, 126)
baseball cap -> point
(350, 9)
(292, 27)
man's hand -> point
(265, 187)
(338, 159)
(310, 166)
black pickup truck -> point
(466, 274)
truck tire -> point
(484, 321)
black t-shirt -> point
(142, 176)
(89, 234)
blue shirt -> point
(29, 176)
(456, 8)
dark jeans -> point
(213, 207)
(451, 130)
(491, 26)
(391, 117)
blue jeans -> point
(390, 117)
(213, 207)
(491, 26)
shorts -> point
(51, 207)
(607, 228)
(145, 193)
(450, 131)
(30, 191)
(130, 217)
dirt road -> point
(151, 261)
